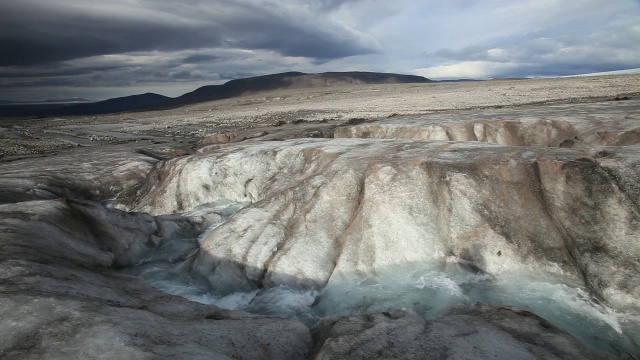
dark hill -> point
(232, 88)
(287, 80)
(115, 105)
(121, 104)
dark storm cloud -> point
(332, 4)
(55, 70)
(39, 38)
(32, 73)
(189, 75)
(200, 58)
(98, 46)
(33, 33)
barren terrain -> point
(495, 219)
(187, 125)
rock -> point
(220, 138)
(481, 332)
(63, 312)
(61, 295)
(235, 136)
(563, 126)
(91, 173)
(279, 131)
(323, 210)
(327, 209)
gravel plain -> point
(189, 125)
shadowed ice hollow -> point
(426, 288)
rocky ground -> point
(27, 136)
(501, 176)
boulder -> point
(62, 296)
(481, 332)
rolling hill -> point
(232, 88)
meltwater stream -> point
(426, 289)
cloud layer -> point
(73, 48)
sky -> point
(97, 49)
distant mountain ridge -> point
(49, 101)
(121, 104)
(232, 88)
(287, 80)
(115, 105)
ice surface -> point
(428, 289)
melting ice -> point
(427, 289)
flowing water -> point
(427, 289)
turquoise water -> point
(426, 289)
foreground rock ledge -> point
(61, 298)
(482, 332)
